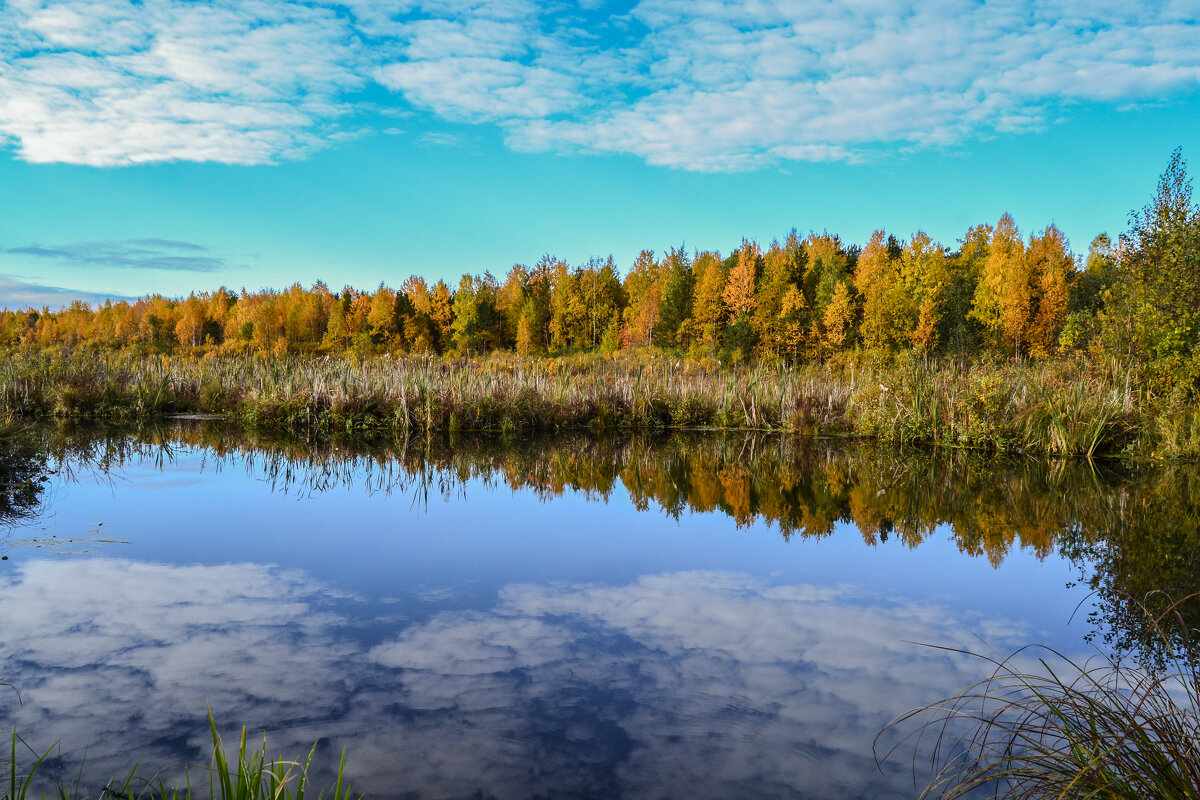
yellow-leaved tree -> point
(838, 317)
(927, 282)
(1004, 295)
(1053, 269)
(793, 314)
(885, 304)
(708, 310)
(739, 291)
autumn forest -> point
(807, 297)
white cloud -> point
(18, 293)
(715, 85)
(479, 62)
(696, 84)
(110, 83)
(158, 254)
(471, 89)
(441, 139)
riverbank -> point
(1066, 407)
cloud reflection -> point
(114, 655)
(699, 684)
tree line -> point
(803, 298)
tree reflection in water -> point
(1132, 530)
(23, 468)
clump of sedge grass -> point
(1110, 728)
(1083, 420)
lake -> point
(646, 617)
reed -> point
(1072, 407)
(1078, 421)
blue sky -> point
(165, 146)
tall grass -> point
(1111, 728)
(1079, 421)
(499, 392)
(1071, 407)
(247, 774)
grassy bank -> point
(1068, 407)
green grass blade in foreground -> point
(255, 776)
(251, 776)
(18, 786)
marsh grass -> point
(1044, 726)
(1079, 421)
(247, 774)
(1177, 434)
(1069, 407)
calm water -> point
(680, 617)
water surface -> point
(578, 617)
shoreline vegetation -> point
(1002, 343)
(1070, 407)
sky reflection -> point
(695, 683)
(678, 616)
